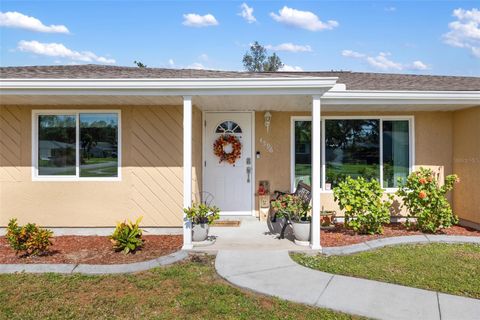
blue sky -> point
(427, 37)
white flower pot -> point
(302, 230)
(200, 232)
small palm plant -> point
(127, 236)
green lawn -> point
(449, 268)
(98, 160)
(189, 290)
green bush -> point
(361, 200)
(425, 200)
(200, 213)
(30, 239)
(127, 236)
(292, 207)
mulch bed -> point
(339, 236)
(94, 250)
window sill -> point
(75, 179)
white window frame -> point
(411, 141)
(76, 177)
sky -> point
(420, 37)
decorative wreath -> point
(222, 142)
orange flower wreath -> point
(225, 140)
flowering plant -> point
(292, 207)
(223, 141)
(425, 200)
(361, 200)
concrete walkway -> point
(274, 273)
(94, 269)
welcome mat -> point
(226, 223)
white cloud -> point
(391, 9)
(203, 57)
(418, 65)
(302, 19)
(290, 47)
(58, 50)
(286, 67)
(383, 62)
(352, 54)
(171, 63)
(13, 19)
(465, 31)
(247, 13)
(196, 65)
(198, 21)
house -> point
(157, 129)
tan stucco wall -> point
(152, 174)
(466, 163)
(433, 147)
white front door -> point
(230, 184)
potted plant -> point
(297, 211)
(201, 216)
(327, 217)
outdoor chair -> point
(303, 191)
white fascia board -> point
(401, 97)
(171, 87)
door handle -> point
(249, 171)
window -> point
(228, 127)
(396, 152)
(352, 148)
(302, 157)
(372, 147)
(76, 145)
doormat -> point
(226, 223)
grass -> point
(189, 290)
(449, 268)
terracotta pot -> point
(326, 219)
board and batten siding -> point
(152, 176)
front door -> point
(230, 183)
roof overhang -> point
(168, 87)
(288, 94)
(372, 97)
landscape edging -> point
(94, 269)
(392, 241)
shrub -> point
(292, 207)
(30, 238)
(200, 213)
(361, 200)
(127, 236)
(425, 200)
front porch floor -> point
(250, 235)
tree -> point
(139, 64)
(256, 60)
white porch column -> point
(316, 169)
(187, 169)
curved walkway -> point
(274, 273)
(95, 268)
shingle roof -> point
(353, 80)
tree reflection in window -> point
(352, 148)
(98, 145)
(228, 127)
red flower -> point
(422, 195)
(422, 181)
